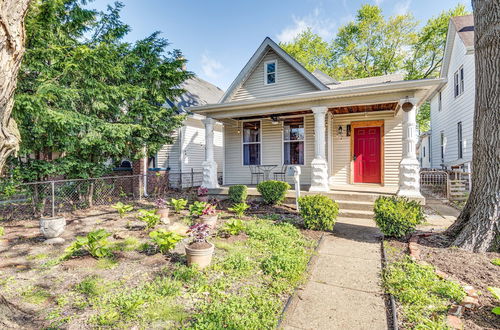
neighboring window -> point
(460, 142)
(442, 147)
(459, 82)
(440, 102)
(424, 152)
(293, 141)
(251, 143)
(270, 69)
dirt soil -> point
(24, 257)
(467, 268)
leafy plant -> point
(273, 192)
(161, 203)
(196, 209)
(202, 191)
(150, 218)
(239, 209)
(165, 240)
(122, 208)
(234, 227)
(2, 231)
(496, 293)
(95, 243)
(178, 204)
(238, 193)
(495, 261)
(199, 232)
(209, 209)
(397, 216)
(318, 211)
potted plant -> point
(162, 210)
(198, 250)
(209, 216)
(52, 227)
(203, 194)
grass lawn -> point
(246, 286)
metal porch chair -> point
(255, 173)
(281, 174)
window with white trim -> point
(270, 72)
(251, 143)
(293, 141)
(440, 102)
(458, 82)
(460, 140)
(443, 142)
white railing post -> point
(319, 165)
(209, 165)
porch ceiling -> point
(364, 108)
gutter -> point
(334, 93)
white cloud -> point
(402, 7)
(210, 66)
(378, 2)
(324, 27)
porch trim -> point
(368, 123)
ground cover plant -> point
(178, 204)
(122, 208)
(239, 209)
(253, 271)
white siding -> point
(341, 147)
(454, 110)
(289, 81)
(423, 153)
(169, 155)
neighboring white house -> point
(423, 150)
(452, 105)
(355, 134)
(188, 150)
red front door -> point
(367, 154)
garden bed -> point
(250, 278)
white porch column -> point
(319, 166)
(409, 167)
(209, 165)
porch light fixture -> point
(339, 130)
(274, 119)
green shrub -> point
(239, 209)
(234, 227)
(96, 243)
(150, 218)
(273, 192)
(178, 204)
(319, 212)
(397, 216)
(238, 193)
(165, 240)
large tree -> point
(478, 226)
(85, 96)
(12, 13)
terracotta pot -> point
(210, 220)
(203, 199)
(163, 213)
(52, 227)
(200, 257)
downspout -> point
(145, 172)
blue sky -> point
(219, 36)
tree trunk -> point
(12, 35)
(478, 225)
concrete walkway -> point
(344, 290)
(441, 217)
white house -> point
(350, 134)
(188, 150)
(452, 105)
(423, 150)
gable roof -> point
(464, 27)
(198, 92)
(255, 59)
(369, 80)
(324, 78)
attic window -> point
(270, 68)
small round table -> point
(266, 169)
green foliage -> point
(178, 204)
(238, 193)
(196, 209)
(95, 243)
(122, 208)
(150, 218)
(35, 295)
(165, 240)
(273, 192)
(424, 117)
(424, 297)
(496, 294)
(233, 227)
(91, 286)
(239, 209)
(2, 231)
(85, 92)
(318, 211)
(495, 261)
(397, 216)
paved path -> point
(344, 289)
(443, 215)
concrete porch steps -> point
(355, 205)
(355, 214)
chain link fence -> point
(52, 198)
